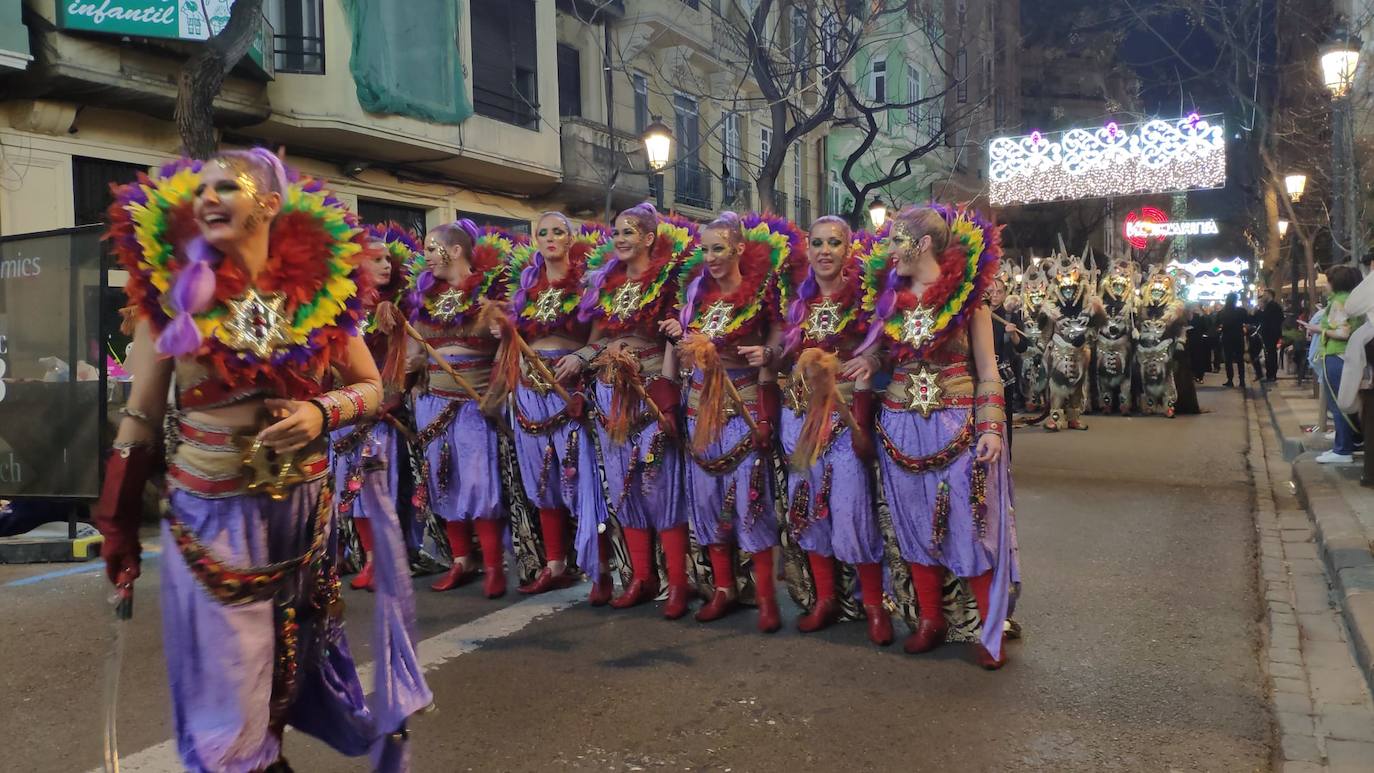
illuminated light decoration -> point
(1153, 157)
(1212, 280)
(1151, 223)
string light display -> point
(1212, 280)
(1116, 160)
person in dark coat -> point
(1232, 322)
(1271, 331)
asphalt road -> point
(1140, 653)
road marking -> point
(432, 653)
(95, 565)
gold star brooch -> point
(626, 300)
(716, 318)
(257, 323)
(448, 305)
(918, 326)
(546, 305)
(824, 319)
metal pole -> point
(1342, 200)
(1293, 273)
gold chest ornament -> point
(626, 300)
(918, 326)
(824, 319)
(257, 323)
(546, 305)
(448, 305)
(716, 318)
(923, 391)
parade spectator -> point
(1231, 323)
(1336, 329)
(1271, 330)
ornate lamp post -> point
(1340, 57)
(877, 212)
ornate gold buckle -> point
(923, 391)
(267, 471)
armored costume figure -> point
(1069, 320)
(1113, 363)
(1035, 377)
(1161, 320)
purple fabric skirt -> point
(220, 658)
(851, 532)
(640, 500)
(912, 498)
(569, 481)
(464, 465)
(379, 448)
(706, 495)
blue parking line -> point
(95, 565)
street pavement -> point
(1140, 609)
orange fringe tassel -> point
(505, 372)
(620, 368)
(817, 369)
(701, 352)
(391, 323)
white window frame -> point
(877, 73)
(731, 147)
(799, 31)
(797, 169)
(914, 111)
(639, 83)
(765, 143)
(830, 38)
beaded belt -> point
(476, 371)
(217, 462)
(926, 389)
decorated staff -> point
(630, 287)
(727, 312)
(828, 422)
(943, 464)
(243, 281)
(540, 368)
(462, 269)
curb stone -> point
(1340, 540)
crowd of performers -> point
(1080, 343)
(703, 410)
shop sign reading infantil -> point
(170, 19)
(1152, 223)
(1115, 160)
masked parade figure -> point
(1069, 319)
(1113, 363)
(1161, 320)
(1035, 375)
(246, 294)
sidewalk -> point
(1339, 509)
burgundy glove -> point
(576, 407)
(666, 396)
(864, 410)
(763, 436)
(120, 509)
(770, 415)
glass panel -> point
(50, 423)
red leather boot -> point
(459, 546)
(364, 579)
(770, 619)
(826, 612)
(602, 587)
(932, 627)
(982, 589)
(644, 586)
(675, 556)
(491, 533)
(879, 621)
(723, 601)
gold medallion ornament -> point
(824, 320)
(717, 316)
(923, 391)
(448, 305)
(546, 305)
(626, 300)
(918, 326)
(257, 323)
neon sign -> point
(1152, 223)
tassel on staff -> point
(716, 387)
(620, 369)
(817, 369)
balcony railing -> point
(803, 218)
(303, 54)
(730, 40)
(508, 106)
(692, 185)
(780, 203)
(737, 193)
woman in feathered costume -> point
(631, 283)
(557, 460)
(365, 455)
(244, 285)
(463, 269)
(943, 464)
(729, 338)
(830, 502)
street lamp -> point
(1295, 184)
(877, 212)
(658, 143)
(1340, 57)
(1283, 228)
